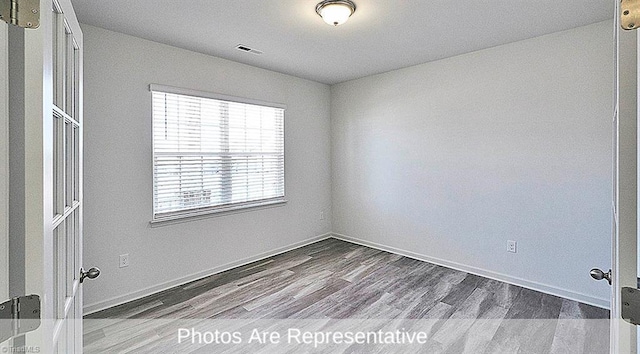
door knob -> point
(597, 274)
(91, 273)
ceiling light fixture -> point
(335, 12)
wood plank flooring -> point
(337, 285)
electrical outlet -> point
(512, 246)
(124, 260)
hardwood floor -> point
(338, 286)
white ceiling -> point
(382, 35)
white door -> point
(625, 201)
(50, 99)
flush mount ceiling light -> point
(335, 12)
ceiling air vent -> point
(244, 48)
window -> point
(214, 153)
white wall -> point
(118, 180)
(451, 159)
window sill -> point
(199, 215)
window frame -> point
(184, 215)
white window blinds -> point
(214, 154)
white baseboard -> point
(98, 306)
(567, 294)
(599, 302)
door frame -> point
(624, 246)
(4, 162)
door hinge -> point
(631, 305)
(629, 14)
(21, 13)
(19, 316)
